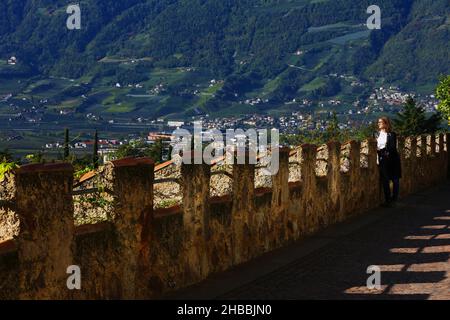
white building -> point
(175, 124)
(12, 61)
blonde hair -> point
(387, 122)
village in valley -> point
(35, 112)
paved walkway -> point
(410, 244)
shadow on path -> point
(410, 244)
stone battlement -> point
(142, 251)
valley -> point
(138, 63)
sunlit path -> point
(410, 244)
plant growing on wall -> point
(78, 174)
(167, 203)
(95, 200)
(6, 167)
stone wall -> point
(141, 252)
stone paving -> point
(409, 243)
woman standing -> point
(388, 160)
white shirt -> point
(382, 140)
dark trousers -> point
(387, 174)
(385, 181)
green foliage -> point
(95, 200)
(167, 203)
(364, 132)
(37, 157)
(332, 133)
(79, 173)
(443, 94)
(141, 149)
(131, 76)
(250, 44)
(219, 35)
(5, 167)
(413, 120)
(331, 88)
(418, 51)
(315, 136)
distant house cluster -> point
(102, 143)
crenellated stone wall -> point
(143, 252)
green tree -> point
(364, 131)
(333, 132)
(66, 144)
(37, 157)
(127, 150)
(413, 120)
(155, 151)
(313, 136)
(141, 149)
(82, 165)
(443, 94)
(95, 159)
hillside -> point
(165, 53)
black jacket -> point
(389, 158)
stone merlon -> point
(142, 252)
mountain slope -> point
(420, 51)
(277, 49)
